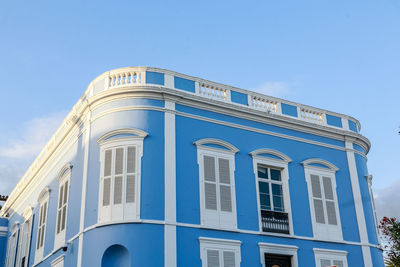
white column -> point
(170, 252)
(355, 185)
(84, 187)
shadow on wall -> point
(116, 256)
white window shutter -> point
(229, 259)
(119, 161)
(131, 161)
(325, 263)
(130, 189)
(316, 186)
(328, 188)
(210, 196)
(212, 258)
(118, 190)
(317, 199)
(106, 191)
(224, 171)
(209, 168)
(338, 263)
(107, 163)
(226, 198)
(331, 212)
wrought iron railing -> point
(276, 222)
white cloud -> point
(33, 137)
(277, 89)
(387, 201)
(18, 153)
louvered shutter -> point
(59, 212)
(330, 202)
(338, 263)
(118, 183)
(210, 186)
(64, 210)
(212, 258)
(229, 258)
(106, 191)
(317, 199)
(130, 178)
(325, 263)
(225, 187)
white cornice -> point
(139, 133)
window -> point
(217, 185)
(62, 206)
(278, 255)
(272, 175)
(25, 239)
(219, 252)
(41, 233)
(12, 246)
(121, 153)
(328, 258)
(321, 184)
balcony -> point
(276, 222)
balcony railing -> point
(276, 222)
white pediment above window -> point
(122, 134)
(270, 153)
(213, 143)
(319, 164)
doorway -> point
(272, 260)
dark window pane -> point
(263, 187)
(278, 203)
(277, 189)
(265, 202)
(275, 175)
(262, 172)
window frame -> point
(25, 237)
(328, 254)
(113, 144)
(322, 231)
(284, 250)
(63, 178)
(220, 245)
(204, 150)
(274, 163)
(43, 200)
(12, 242)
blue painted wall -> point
(239, 98)
(188, 200)
(145, 243)
(184, 84)
(289, 110)
(154, 77)
(353, 126)
(3, 241)
(333, 120)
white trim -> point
(308, 163)
(331, 255)
(44, 194)
(28, 212)
(324, 231)
(220, 245)
(371, 196)
(39, 251)
(136, 132)
(58, 260)
(283, 165)
(270, 248)
(273, 152)
(12, 241)
(200, 144)
(63, 178)
(206, 215)
(358, 204)
(123, 210)
(170, 246)
(84, 188)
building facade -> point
(156, 168)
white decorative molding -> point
(369, 179)
(273, 152)
(44, 194)
(27, 213)
(203, 142)
(330, 251)
(58, 260)
(219, 241)
(65, 170)
(270, 248)
(139, 134)
(308, 163)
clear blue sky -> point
(342, 56)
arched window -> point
(116, 256)
(120, 170)
(321, 184)
(63, 178)
(41, 223)
(216, 159)
(12, 245)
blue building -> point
(156, 168)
